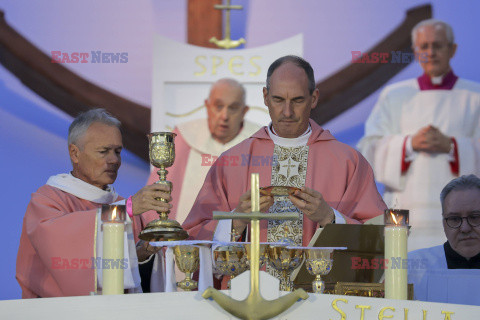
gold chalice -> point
(285, 260)
(162, 155)
(187, 260)
(319, 262)
(230, 261)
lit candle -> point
(113, 227)
(396, 234)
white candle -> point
(112, 252)
(396, 274)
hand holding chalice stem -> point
(162, 155)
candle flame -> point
(394, 219)
(114, 214)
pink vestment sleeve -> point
(57, 246)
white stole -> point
(83, 190)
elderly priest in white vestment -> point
(424, 132)
(61, 238)
(431, 268)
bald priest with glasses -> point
(460, 200)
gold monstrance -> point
(162, 155)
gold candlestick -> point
(113, 226)
(396, 235)
(162, 155)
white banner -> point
(183, 74)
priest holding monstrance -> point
(330, 182)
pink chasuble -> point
(57, 245)
(336, 170)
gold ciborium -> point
(285, 260)
(319, 262)
(187, 260)
(162, 155)
(230, 260)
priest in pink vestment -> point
(60, 244)
(336, 183)
(424, 132)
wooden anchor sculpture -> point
(227, 42)
(254, 307)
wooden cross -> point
(254, 307)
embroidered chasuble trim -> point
(289, 168)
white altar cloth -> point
(191, 305)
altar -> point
(191, 305)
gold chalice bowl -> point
(285, 260)
(230, 260)
(263, 254)
(162, 155)
(319, 262)
(187, 260)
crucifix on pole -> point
(254, 307)
(227, 42)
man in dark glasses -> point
(460, 200)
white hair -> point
(438, 24)
(83, 121)
(231, 82)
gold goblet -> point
(162, 155)
(319, 263)
(229, 261)
(187, 260)
(285, 260)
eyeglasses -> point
(456, 222)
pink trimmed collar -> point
(448, 81)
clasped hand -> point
(431, 139)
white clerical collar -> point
(81, 189)
(289, 142)
(437, 80)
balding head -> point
(226, 109)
